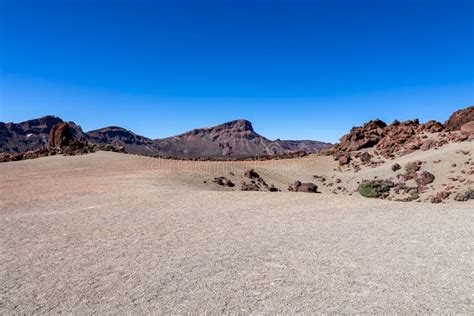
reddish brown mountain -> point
(120, 137)
(235, 139)
(32, 134)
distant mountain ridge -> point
(32, 134)
(235, 139)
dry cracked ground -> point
(113, 233)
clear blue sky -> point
(296, 69)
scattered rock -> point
(344, 160)
(251, 174)
(413, 166)
(396, 167)
(435, 199)
(365, 157)
(249, 186)
(424, 178)
(273, 189)
(465, 196)
(223, 181)
(303, 187)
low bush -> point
(375, 188)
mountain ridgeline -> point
(235, 139)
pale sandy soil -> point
(114, 233)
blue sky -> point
(295, 69)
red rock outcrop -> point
(402, 138)
(59, 136)
(460, 119)
(362, 137)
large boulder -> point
(308, 187)
(363, 137)
(413, 166)
(60, 136)
(460, 118)
(61, 140)
(424, 178)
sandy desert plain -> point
(108, 233)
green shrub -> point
(375, 188)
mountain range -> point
(235, 139)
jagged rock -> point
(251, 174)
(362, 137)
(273, 189)
(249, 186)
(59, 136)
(431, 127)
(344, 160)
(443, 195)
(396, 136)
(413, 166)
(402, 138)
(223, 181)
(428, 144)
(396, 167)
(465, 196)
(298, 186)
(435, 199)
(424, 178)
(459, 118)
(365, 157)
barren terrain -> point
(109, 232)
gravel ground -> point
(111, 233)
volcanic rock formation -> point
(232, 140)
(462, 120)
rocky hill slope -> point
(32, 134)
(231, 140)
(236, 139)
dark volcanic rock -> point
(303, 187)
(31, 135)
(121, 138)
(249, 186)
(61, 140)
(232, 140)
(396, 167)
(251, 174)
(223, 181)
(59, 136)
(465, 196)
